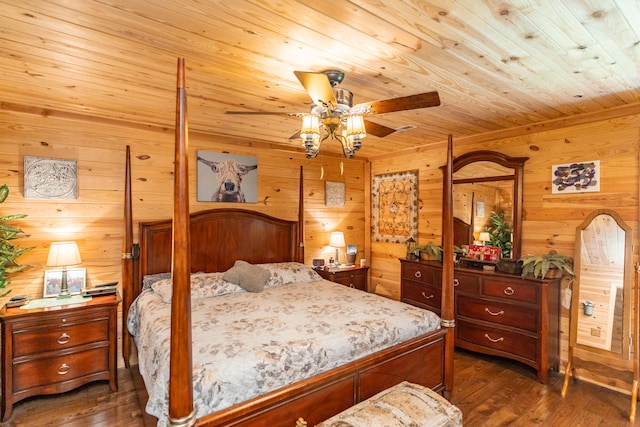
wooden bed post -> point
(447, 314)
(300, 251)
(127, 260)
(181, 411)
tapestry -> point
(395, 207)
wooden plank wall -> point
(549, 219)
(95, 219)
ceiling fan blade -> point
(295, 136)
(411, 102)
(318, 87)
(378, 130)
(263, 113)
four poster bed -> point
(244, 334)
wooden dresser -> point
(496, 313)
(56, 349)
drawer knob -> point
(509, 291)
(351, 285)
(456, 282)
(64, 369)
(64, 338)
(418, 274)
(499, 313)
(427, 296)
(492, 339)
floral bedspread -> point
(246, 344)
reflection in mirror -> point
(602, 302)
(486, 182)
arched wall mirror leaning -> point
(602, 290)
(486, 182)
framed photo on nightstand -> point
(76, 278)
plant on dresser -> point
(541, 266)
(8, 251)
(496, 313)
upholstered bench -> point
(405, 404)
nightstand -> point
(354, 277)
(56, 349)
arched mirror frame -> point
(515, 163)
(628, 289)
(627, 286)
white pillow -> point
(203, 285)
(284, 273)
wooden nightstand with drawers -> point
(353, 277)
(56, 349)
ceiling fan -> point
(341, 120)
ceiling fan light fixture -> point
(355, 126)
(310, 126)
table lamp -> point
(484, 237)
(63, 254)
(337, 241)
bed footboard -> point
(320, 397)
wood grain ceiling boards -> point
(497, 64)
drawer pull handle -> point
(493, 340)
(500, 313)
(64, 338)
(418, 274)
(351, 285)
(509, 291)
(427, 296)
(64, 369)
(456, 282)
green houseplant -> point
(500, 233)
(433, 251)
(8, 251)
(539, 266)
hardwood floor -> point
(494, 392)
(489, 391)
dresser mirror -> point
(601, 299)
(486, 182)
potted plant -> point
(429, 251)
(433, 252)
(8, 251)
(500, 233)
(551, 264)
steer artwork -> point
(229, 174)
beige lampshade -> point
(62, 254)
(337, 239)
(484, 236)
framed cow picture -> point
(223, 177)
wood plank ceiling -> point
(496, 64)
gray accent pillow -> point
(250, 277)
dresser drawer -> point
(466, 283)
(509, 342)
(498, 312)
(66, 332)
(421, 295)
(63, 367)
(511, 289)
(355, 279)
(421, 273)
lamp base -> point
(63, 296)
